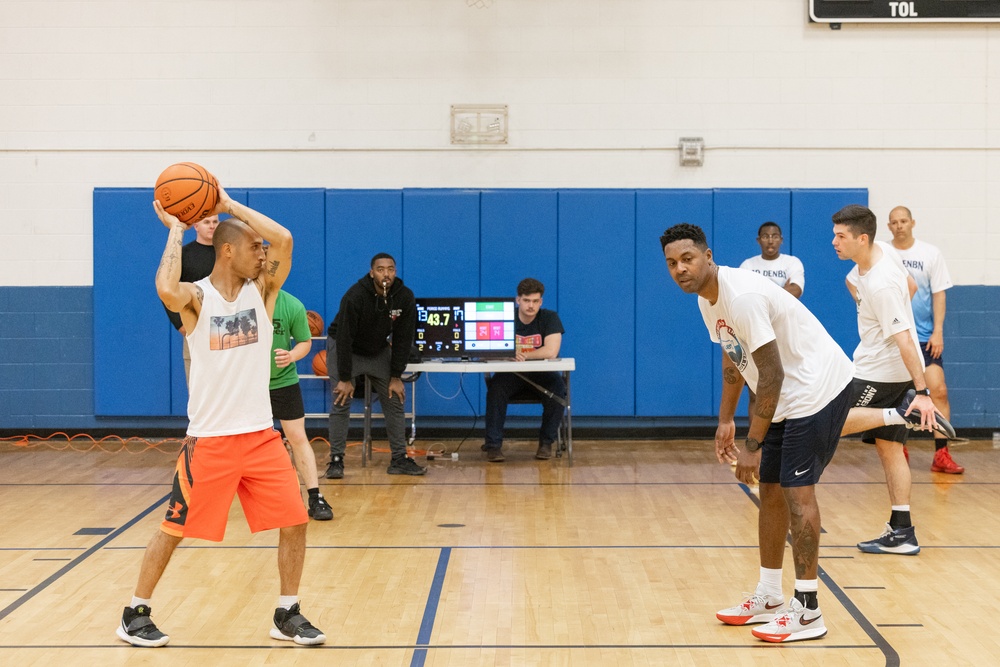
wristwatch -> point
(752, 445)
(926, 391)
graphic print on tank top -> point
(227, 332)
(731, 344)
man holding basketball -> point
(231, 445)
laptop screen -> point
(465, 327)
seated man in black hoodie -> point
(371, 336)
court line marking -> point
(399, 647)
(6, 611)
(430, 609)
(891, 657)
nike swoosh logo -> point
(798, 474)
(773, 606)
(808, 621)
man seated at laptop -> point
(538, 332)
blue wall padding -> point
(131, 330)
(639, 342)
(520, 237)
(673, 359)
(441, 257)
(597, 297)
(360, 224)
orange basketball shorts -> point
(210, 471)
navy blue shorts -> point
(796, 451)
(928, 359)
(286, 403)
(868, 394)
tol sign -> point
(903, 10)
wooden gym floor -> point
(621, 560)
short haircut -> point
(382, 255)
(230, 230)
(903, 208)
(530, 286)
(859, 219)
(760, 230)
(684, 231)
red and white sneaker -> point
(757, 608)
(944, 463)
(794, 624)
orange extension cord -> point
(83, 442)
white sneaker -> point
(757, 608)
(794, 624)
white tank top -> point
(230, 364)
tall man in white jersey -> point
(888, 363)
(784, 271)
(801, 380)
(926, 265)
(231, 445)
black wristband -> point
(752, 445)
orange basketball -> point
(187, 191)
(315, 322)
(319, 363)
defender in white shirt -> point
(802, 385)
(887, 362)
(926, 266)
(784, 271)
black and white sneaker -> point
(138, 629)
(404, 465)
(336, 468)
(899, 541)
(319, 509)
(944, 427)
(292, 626)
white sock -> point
(900, 508)
(771, 581)
(891, 416)
(286, 601)
(138, 601)
(807, 585)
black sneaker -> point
(404, 465)
(544, 451)
(900, 541)
(319, 509)
(292, 626)
(138, 629)
(944, 427)
(494, 455)
(336, 468)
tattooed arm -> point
(182, 298)
(770, 377)
(725, 434)
(279, 255)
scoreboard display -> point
(904, 11)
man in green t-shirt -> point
(290, 322)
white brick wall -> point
(356, 93)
